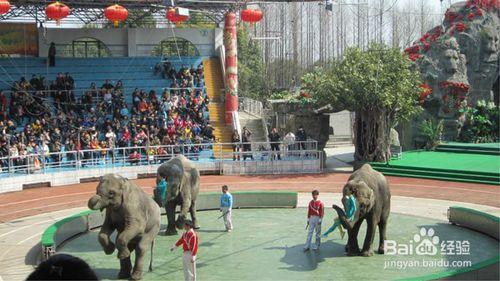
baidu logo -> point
(427, 243)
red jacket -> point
(189, 241)
(315, 209)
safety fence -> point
(69, 167)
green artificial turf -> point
(266, 244)
(449, 161)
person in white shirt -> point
(289, 141)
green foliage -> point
(85, 48)
(432, 131)
(380, 77)
(251, 80)
(172, 47)
(197, 20)
(280, 95)
(379, 84)
(481, 123)
(139, 18)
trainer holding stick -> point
(189, 242)
(226, 205)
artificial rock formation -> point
(459, 61)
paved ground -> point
(24, 215)
(36, 201)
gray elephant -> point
(371, 190)
(135, 217)
(183, 185)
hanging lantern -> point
(116, 14)
(57, 11)
(177, 15)
(251, 16)
(4, 6)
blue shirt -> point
(226, 200)
(351, 207)
(162, 187)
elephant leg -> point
(125, 268)
(170, 209)
(370, 235)
(105, 242)
(104, 234)
(352, 243)
(140, 252)
(192, 210)
(185, 207)
(124, 238)
(381, 229)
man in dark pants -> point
(275, 138)
(52, 55)
(247, 145)
(301, 137)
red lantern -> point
(174, 17)
(116, 14)
(4, 6)
(57, 11)
(252, 16)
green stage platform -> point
(477, 163)
(267, 245)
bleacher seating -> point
(135, 72)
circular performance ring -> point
(44, 200)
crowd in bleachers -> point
(41, 117)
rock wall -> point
(459, 62)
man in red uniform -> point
(314, 217)
(189, 242)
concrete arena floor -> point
(267, 244)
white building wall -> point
(132, 42)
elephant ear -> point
(351, 187)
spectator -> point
(289, 142)
(235, 139)
(107, 85)
(301, 137)
(63, 267)
(247, 143)
(134, 157)
(52, 55)
(275, 139)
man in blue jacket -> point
(226, 205)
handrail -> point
(222, 58)
(149, 155)
(236, 122)
(251, 106)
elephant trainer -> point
(371, 190)
(135, 217)
(183, 185)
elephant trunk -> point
(343, 218)
(172, 191)
(95, 203)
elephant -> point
(373, 197)
(134, 215)
(183, 185)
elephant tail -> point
(152, 254)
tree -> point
(251, 81)
(379, 85)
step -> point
(440, 178)
(436, 174)
(439, 170)
(469, 151)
